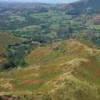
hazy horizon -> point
(42, 1)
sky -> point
(43, 1)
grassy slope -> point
(67, 70)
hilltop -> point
(67, 69)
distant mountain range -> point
(86, 6)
